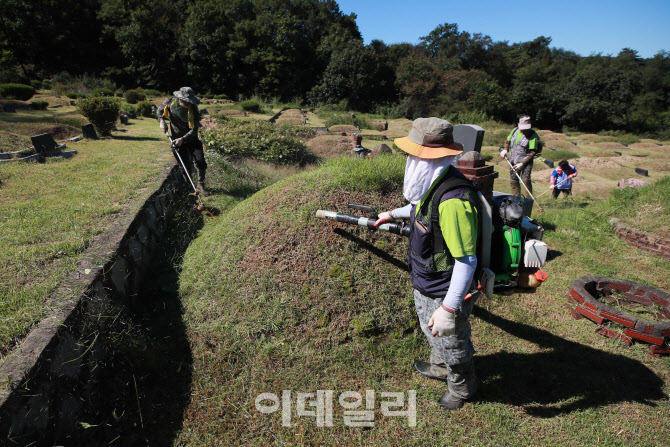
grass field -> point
(50, 212)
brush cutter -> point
(522, 183)
(196, 192)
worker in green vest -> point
(182, 112)
(522, 145)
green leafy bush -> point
(134, 96)
(76, 95)
(46, 84)
(250, 106)
(259, 140)
(145, 108)
(39, 105)
(36, 84)
(220, 96)
(128, 107)
(152, 93)
(103, 92)
(101, 111)
(20, 92)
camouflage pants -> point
(450, 357)
(525, 176)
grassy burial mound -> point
(276, 301)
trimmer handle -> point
(372, 213)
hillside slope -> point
(276, 301)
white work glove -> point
(384, 217)
(163, 125)
(503, 153)
(442, 323)
(518, 166)
(552, 186)
(178, 142)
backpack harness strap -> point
(439, 244)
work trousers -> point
(524, 173)
(451, 357)
(555, 192)
(193, 152)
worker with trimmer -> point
(182, 112)
(525, 144)
(443, 212)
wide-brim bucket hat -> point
(187, 94)
(430, 138)
(524, 122)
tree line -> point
(309, 51)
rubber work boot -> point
(450, 402)
(425, 369)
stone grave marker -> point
(45, 145)
(549, 163)
(89, 131)
(470, 136)
(641, 171)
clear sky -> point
(583, 26)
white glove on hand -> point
(178, 142)
(503, 153)
(518, 166)
(384, 218)
(552, 186)
(163, 125)
(442, 323)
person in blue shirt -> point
(561, 179)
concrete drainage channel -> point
(111, 363)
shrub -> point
(75, 95)
(259, 140)
(46, 84)
(250, 105)
(145, 108)
(152, 93)
(20, 92)
(134, 96)
(39, 105)
(36, 84)
(128, 107)
(101, 111)
(103, 92)
(220, 96)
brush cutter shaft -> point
(554, 186)
(176, 152)
(522, 183)
(393, 227)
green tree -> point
(356, 74)
(601, 97)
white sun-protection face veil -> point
(420, 174)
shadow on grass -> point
(372, 249)
(124, 137)
(568, 376)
